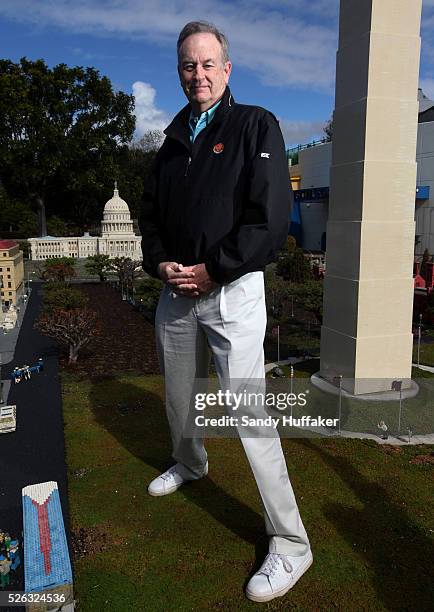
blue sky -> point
(283, 51)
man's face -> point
(203, 74)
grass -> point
(361, 416)
(426, 354)
(367, 509)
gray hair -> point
(197, 27)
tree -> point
(429, 312)
(60, 130)
(16, 217)
(135, 165)
(275, 292)
(328, 130)
(426, 257)
(151, 141)
(62, 297)
(127, 270)
(309, 295)
(294, 267)
(99, 265)
(148, 291)
(75, 328)
(291, 244)
(58, 269)
(57, 226)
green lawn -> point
(367, 509)
(362, 416)
(426, 354)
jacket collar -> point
(179, 129)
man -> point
(215, 216)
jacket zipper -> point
(187, 167)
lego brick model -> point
(47, 567)
(8, 419)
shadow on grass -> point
(398, 552)
(145, 434)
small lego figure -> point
(5, 566)
(14, 555)
(41, 364)
(16, 374)
(383, 427)
(7, 541)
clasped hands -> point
(189, 281)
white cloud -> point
(296, 132)
(148, 116)
(285, 43)
(282, 46)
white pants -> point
(231, 321)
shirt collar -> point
(205, 117)
(179, 128)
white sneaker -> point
(169, 481)
(277, 575)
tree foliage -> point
(62, 297)
(309, 295)
(75, 328)
(294, 267)
(58, 269)
(151, 141)
(291, 244)
(127, 269)
(426, 257)
(275, 292)
(328, 130)
(19, 219)
(148, 292)
(60, 131)
(99, 265)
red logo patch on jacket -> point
(218, 148)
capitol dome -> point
(117, 237)
(116, 204)
(116, 217)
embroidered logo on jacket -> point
(267, 155)
(218, 148)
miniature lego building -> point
(47, 567)
(117, 239)
(11, 272)
(8, 419)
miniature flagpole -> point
(278, 343)
(292, 376)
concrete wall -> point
(314, 221)
(314, 168)
(424, 214)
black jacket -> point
(224, 200)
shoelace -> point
(169, 474)
(271, 563)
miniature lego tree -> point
(75, 328)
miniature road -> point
(35, 452)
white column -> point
(368, 291)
